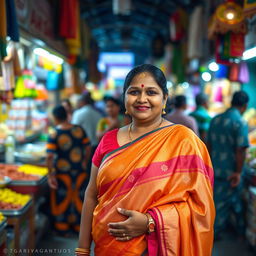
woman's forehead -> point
(143, 78)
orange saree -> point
(167, 172)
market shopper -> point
(201, 115)
(227, 142)
(87, 117)
(178, 115)
(68, 107)
(150, 188)
(114, 118)
(68, 152)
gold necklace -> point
(130, 129)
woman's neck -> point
(64, 124)
(140, 127)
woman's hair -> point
(68, 102)
(60, 113)
(155, 72)
(114, 100)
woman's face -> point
(144, 99)
(112, 109)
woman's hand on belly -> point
(135, 225)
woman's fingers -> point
(118, 232)
(124, 239)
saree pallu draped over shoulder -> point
(167, 172)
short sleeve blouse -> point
(107, 144)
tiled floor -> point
(229, 246)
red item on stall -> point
(234, 72)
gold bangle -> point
(82, 250)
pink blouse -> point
(107, 144)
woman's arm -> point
(51, 174)
(90, 202)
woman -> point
(68, 107)
(150, 190)
(113, 119)
(68, 151)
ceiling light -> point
(230, 15)
(206, 76)
(213, 66)
(250, 53)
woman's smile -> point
(142, 108)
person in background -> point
(150, 190)
(227, 142)
(201, 115)
(113, 120)
(178, 115)
(68, 107)
(68, 152)
(87, 117)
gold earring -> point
(163, 111)
(126, 112)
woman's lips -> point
(141, 108)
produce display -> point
(33, 169)
(10, 200)
(2, 218)
(12, 172)
(31, 153)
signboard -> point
(37, 19)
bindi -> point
(142, 85)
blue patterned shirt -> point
(227, 132)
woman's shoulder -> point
(110, 134)
(181, 131)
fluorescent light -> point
(213, 66)
(206, 76)
(42, 52)
(250, 53)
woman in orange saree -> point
(164, 173)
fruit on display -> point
(11, 200)
(12, 172)
(2, 218)
(33, 169)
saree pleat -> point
(167, 172)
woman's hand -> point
(135, 225)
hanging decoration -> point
(227, 17)
(228, 28)
(229, 47)
(249, 8)
(8, 25)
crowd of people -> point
(143, 182)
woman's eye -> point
(151, 92)
(134, 92)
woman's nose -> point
(142, 97)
